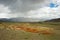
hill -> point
(53, 20)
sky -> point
(34, 9)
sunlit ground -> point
(6, 33)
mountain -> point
(21, 19)
(3, 19)
(53, 20)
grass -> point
(8, 34)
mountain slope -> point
(53, 20)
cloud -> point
(4, 11)
(23, 5)
(20, 7)
(38, 9)
(44, 13)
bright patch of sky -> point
(52, 5)
(4, 11)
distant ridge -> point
(53, 20)
(27, 20)
(19, 20)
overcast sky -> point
(40, 9)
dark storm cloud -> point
(17, 6)
(7, 2)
